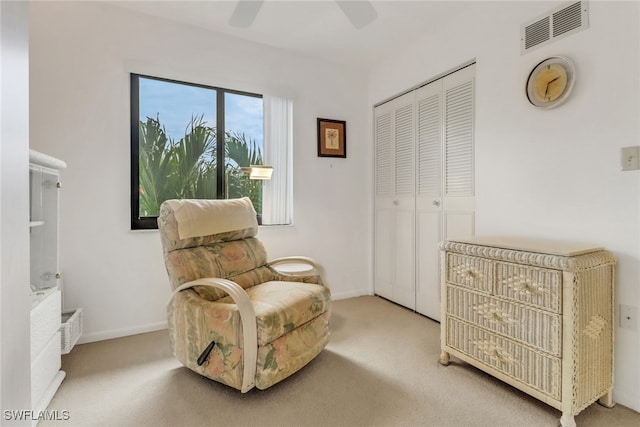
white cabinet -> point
(424, 186)
(46, 304)
(535, 314)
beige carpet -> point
(380, 369)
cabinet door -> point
(395, 201)
(43, 227)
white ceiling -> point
(315, 28)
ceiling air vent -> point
(553, 25)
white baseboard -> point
(631, 401)
(47, 396)
(118, 333)
(351, 294)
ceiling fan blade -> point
(245, 13)
(360, 13)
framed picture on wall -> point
(332, 138)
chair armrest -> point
(298, 260)
(247, 317)
(295, 259)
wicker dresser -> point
(536, 314)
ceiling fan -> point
(360, 12)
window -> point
(195, 141)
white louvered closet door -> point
(459, 173)
(429, 218)
(395, 200)
(424, 144)
(445, 202)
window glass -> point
(174, 151)
(244, 146)
(177, 143)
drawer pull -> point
(497, 318)
(466, 272)
(493, 314)
(502, 357)
(495, 352)
(469, 274)
(522, 285)
(528, 289)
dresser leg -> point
(444, 358)
(607, 400)
(567, 420)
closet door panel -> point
(384, 152)
(384, 250)
(458, 207)
(404, 201)
(429, 117)
(428, 237)
(384, 216)
(459, 133)
(429, 140)
(395, 200)
(404, 283)
(404, 151)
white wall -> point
(556, 173)
(81, 54)
(15, 363)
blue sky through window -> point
(176, 103)
(243, 114)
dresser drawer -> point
(530, 285)
(537, 370)
(470, 272)
(536, 328)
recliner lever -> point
(205, 354)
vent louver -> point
(567, 19)
(537, 33)
(556, 24)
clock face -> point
(550, 82)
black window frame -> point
(151, 222)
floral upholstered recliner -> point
(233, 317)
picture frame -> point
(332, 138)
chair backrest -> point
(212, 238)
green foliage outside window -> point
(242, 153)
(186, 169)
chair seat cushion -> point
(283, 306)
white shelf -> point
(36, 224)
(41, 159)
